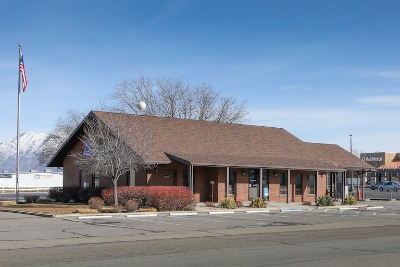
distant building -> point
(30, 180)
(387, 166)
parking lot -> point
(343, 234)
(208, 222)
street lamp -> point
(141, 105)
(351, 144)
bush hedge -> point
(31, 198)
(74, 194)
(163, 198)
(325, 201)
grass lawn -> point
(54, 209)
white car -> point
(376, 186)
(389, 186)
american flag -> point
(23, 73)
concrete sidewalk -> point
(278, 206)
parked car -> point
(390, 186)
(376, 186)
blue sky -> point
(320, 69)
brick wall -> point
(203, 176)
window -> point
(128, 178)
(253, 178)
(171, 176)
(186, 178)
(311, 184)
(95, 180)
(232, 183)
(299, 184)
(283, 183)
(80, 178)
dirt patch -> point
(54, 209)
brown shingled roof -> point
(223, 144)
(338, 156)
(390, 166)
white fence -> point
(32, 181)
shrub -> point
(84, 194)
(162, 198)
(132, 205)
(258, 203)
(126, 193)
(96, 203)
(325, 201)
(44, 201)
(228, 204)
(166, 198)
(56, 193)
(71, 194)
(209, 204)
(31, 198)
(350, 200)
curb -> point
(30, 213)
(273, 210)
(290, 210)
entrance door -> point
(265, 185)
(254, 181)
(331, 184)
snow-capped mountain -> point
(31, 144)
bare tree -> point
(63, 128)
(115, 148)
(168, 97)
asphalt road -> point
(376, 194)
(11, 196)
(331, 237)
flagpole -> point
(19, 97)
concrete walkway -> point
(278, 206)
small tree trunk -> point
(115, 194)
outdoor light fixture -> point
(243, 172)
(275, 174)
(142, 105)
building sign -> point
(43, 176)
(266, 192)
(87, 150)
(375, 159)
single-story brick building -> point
(218, 160)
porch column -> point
(191, 187)
(335, 179)
(343, 184)
(316, 187)
(289, 191)
(260, 191)
(363, 175)
(227, 183)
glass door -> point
(265, 184)
(253, 183)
